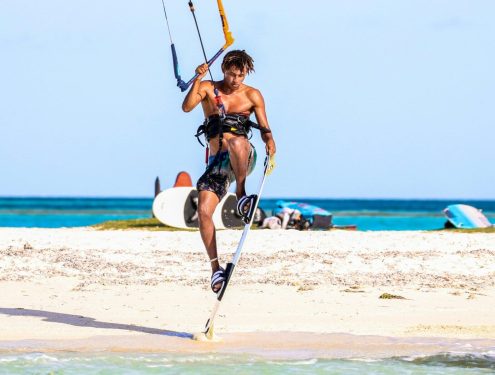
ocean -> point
(367, 214)
(141, 363)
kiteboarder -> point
(227, 105)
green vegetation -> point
(474, 230)
(154, 225)
(390, 296)
(143, 224)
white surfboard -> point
(177, 207)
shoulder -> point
(254, 94)
(207, 85)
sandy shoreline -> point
(274, 346)
(73, 284)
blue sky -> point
(368, 99)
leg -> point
(239, 149)
(212, 186)
(208, 201)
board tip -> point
(207, 336)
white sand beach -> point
(80, 283)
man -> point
(227, 105)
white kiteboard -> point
(177, 207)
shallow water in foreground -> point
(113, 363)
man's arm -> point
(260, 113)
(197, 92)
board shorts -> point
(219, 175)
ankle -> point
(215, 265)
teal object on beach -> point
(467, 217)
(307, 210)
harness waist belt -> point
(232, 123)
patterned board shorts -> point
(220, 175)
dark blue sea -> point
(367, 214)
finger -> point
(202, 68)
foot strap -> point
(216, 278)
(245, 207)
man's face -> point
(233, 77)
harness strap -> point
(232, 123)
(222, 115)
(199, 132)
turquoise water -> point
(99, 363)
(367, 214)
(70, 212)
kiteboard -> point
(178, 207)
(269, 165)
(464, 216)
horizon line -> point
(269, 197)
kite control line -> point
(228, 42)
(229, 269)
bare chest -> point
(233, 103)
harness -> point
(232, 123)
(216, 125)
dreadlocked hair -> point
(238, 59)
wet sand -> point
(274, 345)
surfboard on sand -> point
(177, 207)
(464, 216)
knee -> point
(237, 143)
(204, 213)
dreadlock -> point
(238, 59)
